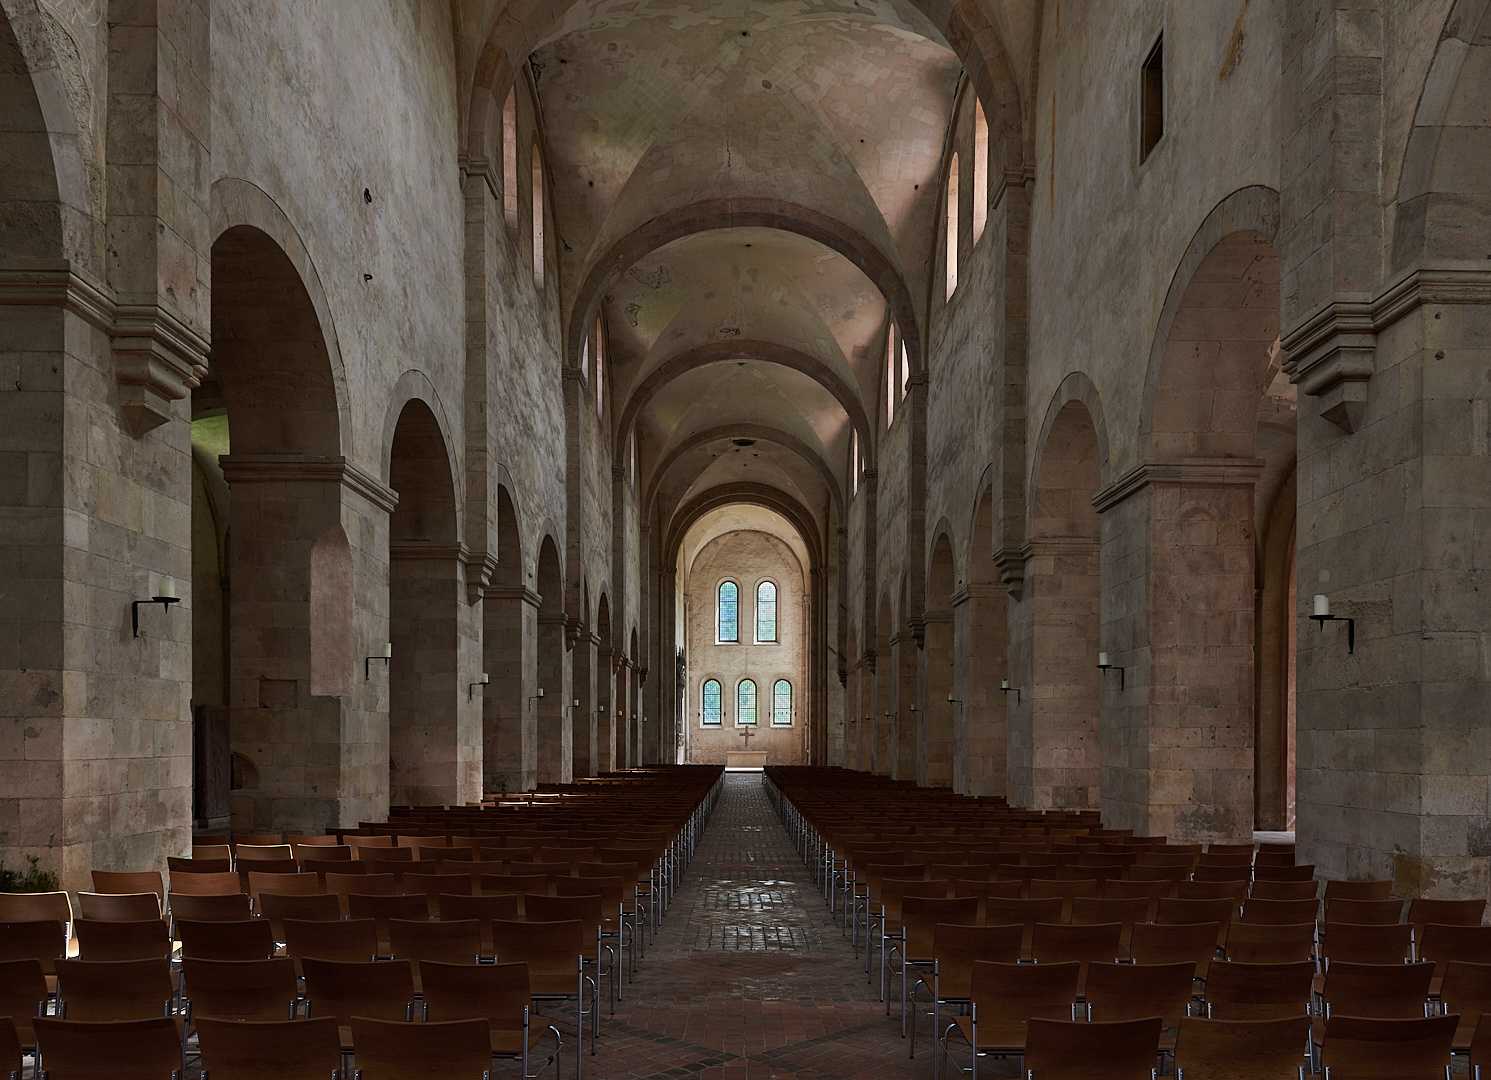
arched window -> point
(854, 463)
(980, 170)
(711, 703)
(538, 218)
(766, 611)
(600, 368)
(890, 376)
(781, 704)
(952, 227)
(510, 164)
(745, 703)
(729, 612)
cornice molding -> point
(420, 551)
(308, 469)
(1208, 472)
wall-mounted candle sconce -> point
(483, 681)
(1103, 665)
(1004, 684)
(1322, 615)
(165, 596)
(537, 697)
(953, 701)
(367, 665)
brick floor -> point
(750, 978)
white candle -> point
(540, 691)
(484, 679)
(1102, 659)
(949, 697)
(167, 588)
(387, 649)
(1004, 684)
(1322, 604)
(576, 705)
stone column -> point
(582, 716)
(509, 728)
(551, 723)
(937, 718)
(981, 723)
(904, 717)
(1178, 617)
(605, 729)
(308, 718)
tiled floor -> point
(749, 978)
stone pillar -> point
(307, 716)
(937, 720)
(1178, 617)
(551, 723)
(582, 715)
(605, 729)
(904, 715)
(509, 729)
(981, 722)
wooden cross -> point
(746, 733)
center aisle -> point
(749, 978)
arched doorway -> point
(510, 645)
(603, 716)
(434, 731)
(551, 726)
(583, 679)
(981, 635)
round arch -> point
(416, 385)
(744, 431)
(761, 495)
(1075, 387)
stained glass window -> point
(712, 703)
(766, 612)
(745, 703)
(781, 704)
(729, 611)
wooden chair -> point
(141, 1049)
(224, 907)
(1266, 870)
(1238, 991)
(1480, 1050)
(955, 949)
(1059, 943)
(390, 1050)
(497, 993)
(1376, 991)
(1066, 890)
(114, 989)
(23, 997)
(432, 885)
(1153, 943)
(384, 909)
(1127, 912)
(195, 865)
(1136, 991)
(1003, 998)
(1280, 912)
(1357, 890)
(1241, 1049)
(1363, 912)
(1270, 943)
(275, 853)
(1152, 891)
(1067, 1050)
(119, 907)
(1442, 944)
(254, 840)
(282, 885)
(350, 941)
(1000, 912)
(36, 907)
(146, 939)
(263, 989)
(42, 940)
(555, 955)
(1466, 989)
(247, 939)
(284, 1049)
(1285, 890)
(344, 885)
(1173, 911)
(920, 916)
(444, 942)
(588, 910)
(275, 908)
(887, 919)
(364, 845)
(1391, 944)
(109, 881)
(484, 909)
(207, 885)
(1417, 1048)
(319, 868)
(1422, 912)
(379, 990)
(518, 885)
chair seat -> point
(509, 1041)
(1000, 1037)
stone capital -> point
(308, 469)
(1201, 472)
(1331, 356)
(521, 593)
(977, 590)
(1010, 562)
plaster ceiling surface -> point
(738, 518)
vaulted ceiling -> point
(746, 192)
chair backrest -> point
(283, 885)
(1466, 989)
(1364, 912)
(499, 993)
(350, 941)
(256, 839)
(198, 864)
(432, 885)
(42, 940)
(1270, 943)
(445, 942)
(481, 908)
(1241, 1049)
(141, 940)
(1172, 911)
(1279, 912)
(381, 990)
(458, 1049)
(206, 885)
(247, 939)
(1060, 942)
(1238, 991)
(956, 947)
(983, 888)
(1000, 912)
(343, 885)
(23, 996)
(1017, 992)
(1266, 870)
(1388, 991)
(1154, 943)
(1416, 1048)
(1442, 943)
(118, 907)
(284, 1049)
(111, 881)
(1367, 944)
(36, 907)
(586, 909)
(1064, 1050)
(1127, 911)
(1480, 1049)
(1357, 890)
(114, 989)
(1135, 991)
(552, 950)
(141, 1049)
(262, 989)
(1125, 889)
(277, 907)
(1234, 889)
(363, 845)
(263, 853)
(1285, 890)
(224, 907)
(1422, 912)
